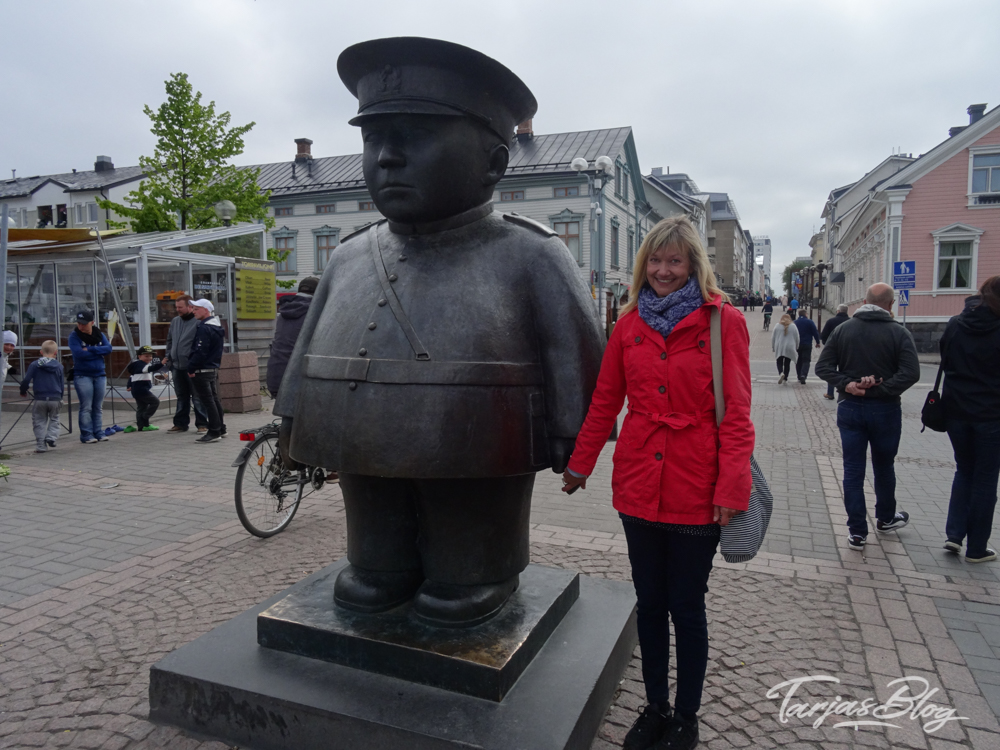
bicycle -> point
(767, 321)
(267, 494)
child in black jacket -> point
(140, 383)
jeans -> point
(45, 420)
(784, 365)
(146, 405)
(670, 574)
(830, 390)
(186, 398)
(974, 489)
(90, 391)
(205, 387)
(802, 363)
(864, 423)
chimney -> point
(524, 131)
(657, 171)
(103, 164)
(952, 132)
(975, 112)
(303, 149)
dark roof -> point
(70, 181)
(681, 199)
(542, 154)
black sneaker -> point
(899, 521)
(681, 734)
(988, 556)
(51, 443)
(647, 729)
(856, 541)
(208, 437)
(952, 546)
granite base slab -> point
(483, 661)
(225, 685)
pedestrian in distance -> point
(871, 360)
(140, 383)
(753, 303)
(970, 360)
(808, 334)
(180, 335)
(291, 314)
(47, 375)
(768, 310)
(89, 348)
(785, 345)
(794, 304)
(746, 301)
(677, 475)
(9, 347)
(204, 361)
(829, 328)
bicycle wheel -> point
(267, 495)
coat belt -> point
(652, 422)
(423, 372)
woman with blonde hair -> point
(785, 345)
(677, 475)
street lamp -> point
(225, 211)
(596, 177)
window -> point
(512, 195)
(329, 208)
(565, 192)
(954, 265)
(326, 240)
(618, 179)
(284, 240)
(366, 205)
(986, 178)
(91, 213)
(78, 214)
(721, 206)
(614, 243)
(569, 232)
(286, 211)
(631, 248)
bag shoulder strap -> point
(715, 345)
(937, 380)
(390, 295)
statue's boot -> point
(452, 605)
(369, 591)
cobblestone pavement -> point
(98, 582)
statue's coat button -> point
(393, 277)
(402, 258)
(381, 303)
(362, 352)
(372, 326)
(352, 385)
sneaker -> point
(802, 381)
(856, 541)
(102, 438)
(208, 437)
(647, 729)
(41, 449)
(149, 428)
(987, 556)
(782, 379)
(899, 521)
(90, 440)
(681, 734)
(175, 428)
(828, 396)
(202, 429)
(224, 434)
(131, 428)
(51, 443)
(953, 547)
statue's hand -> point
(284, 440)
(560, 449)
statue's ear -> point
(498, 159)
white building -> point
(762, 259)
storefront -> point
(48, 284)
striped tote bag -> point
(743, 536)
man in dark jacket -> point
(830, 327)
(291, 314)
(808, 334)
(871, 360)
(204, 361)
(180, 334)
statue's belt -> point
(422, 372)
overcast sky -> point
(774, 102)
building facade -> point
(762, 260)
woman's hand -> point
(572, 483)
(724, 515)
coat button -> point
(701, 344)
(372, 326)
(638, 339)
(393, 277)
(663, 355)
(663, 389)
(402, 258)
(353, 386)
(362, 352)
(381, 303)
(659, 456)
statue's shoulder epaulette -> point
(531, 224)
(365, 228)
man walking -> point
(871, 360)
(830, 327)
(180, 336)
(291, 315)
(204, 361)
(808, 333)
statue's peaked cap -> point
(414, 75)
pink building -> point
(940, 211)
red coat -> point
(672, 463)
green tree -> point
(190, 169)
(791, 268)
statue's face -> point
(422, 168)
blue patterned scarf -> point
(663, 313)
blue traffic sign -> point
(904, 274)
(904, 297)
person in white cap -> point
(203, 367)
(9, 345)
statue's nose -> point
(390, 156)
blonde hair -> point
(680, 233)
(785, 321)
(49, 347)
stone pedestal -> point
(239, 383)
(226, 685)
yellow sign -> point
(256, 292)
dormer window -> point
(984, 176)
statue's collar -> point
(442, 225)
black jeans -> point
(146, 405)
(802, 363)
(784, 365)
(974, 489)
(206, 388)
(186, 398)
(670, 574)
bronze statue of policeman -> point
(449, 352)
